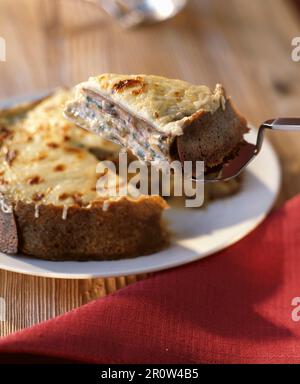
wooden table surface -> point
(246, 45)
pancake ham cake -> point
(160, 119)
(49, 205)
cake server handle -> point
(279, 124)
(283, 124)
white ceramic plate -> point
(197, 233)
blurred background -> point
(245, 45)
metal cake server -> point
(248, 151)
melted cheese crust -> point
(165, 103)
(45, 159)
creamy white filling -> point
(146, 145)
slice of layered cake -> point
(160, 119)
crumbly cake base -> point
(127, 229)
(212, 137)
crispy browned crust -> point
(129, 228)
(212, 137)
(8, 229)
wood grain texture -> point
(246, 45)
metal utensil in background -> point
(132, 13)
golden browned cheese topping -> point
(123, 85)
(46, 159)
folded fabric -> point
(233, 307)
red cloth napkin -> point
(233, 307)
